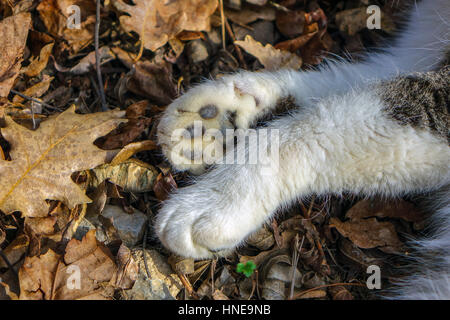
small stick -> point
(295, 258)
(33, 99)
(187, 285)
(97, 58)
(238, 49)
(213, 270)
(222, 18)
(143, 252)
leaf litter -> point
(62, 161)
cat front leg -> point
(343, 143)
(231, 102)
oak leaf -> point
(44, 159)
(270, 57)
(58, 15)
(370, 233)
(86, 271)
(13, 36)
(157, 21)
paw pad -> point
(208, 112)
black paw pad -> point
(208, 112)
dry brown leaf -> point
(354, 20)
(41, 226)
(163, 186)
(88, 62)
(131, 149)
(219, 295)
(291, 23)
(270, 58)
(56, 14)
(128, 269)
(43, 160)
(13, 36)
(15, 250)
(137, 123)
(314, 294)
(36, 276)
(340, 293)
(131, 175)
(39, 63)
(370, 233)
(152, 80)
(157, 21)
(52, 277)
(36, 90)
(383, 209)
(249, 15)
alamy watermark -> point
(374, 280)
(197, 145)
(74, 18)
(74, 280)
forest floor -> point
(151, 52)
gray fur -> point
(421, 100)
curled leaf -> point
(270, 57)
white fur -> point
(340, 140)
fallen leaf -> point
(249, 15)
(41, 226)
(163, 186)
(56, 14)
(152, 80)
(84, 272)
(39, 63)
(137, 123)
(36, 90)
(157, 21)
(352, 21)
(291, 23)
(87, 63)
(181, 265)
(131, 149)
(380, 208)
(43, 160)
(131, 175)
(13, 36)
(128, 269)
(15, 250)
(370, 233)
(340, 293)
(218, 295)
(277, 274)
(262, 239)
(270, 58)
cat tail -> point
(431, 257)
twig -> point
(238, 49)
(213, 270)
(253, 286)
(308, 213)
(7, 262)
(187, 285)
(295, 258)
(97, 58)
(143, 252)
(222, 19)
(298, 295)
(33, 99)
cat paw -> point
(193, 230)
(193, 128)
